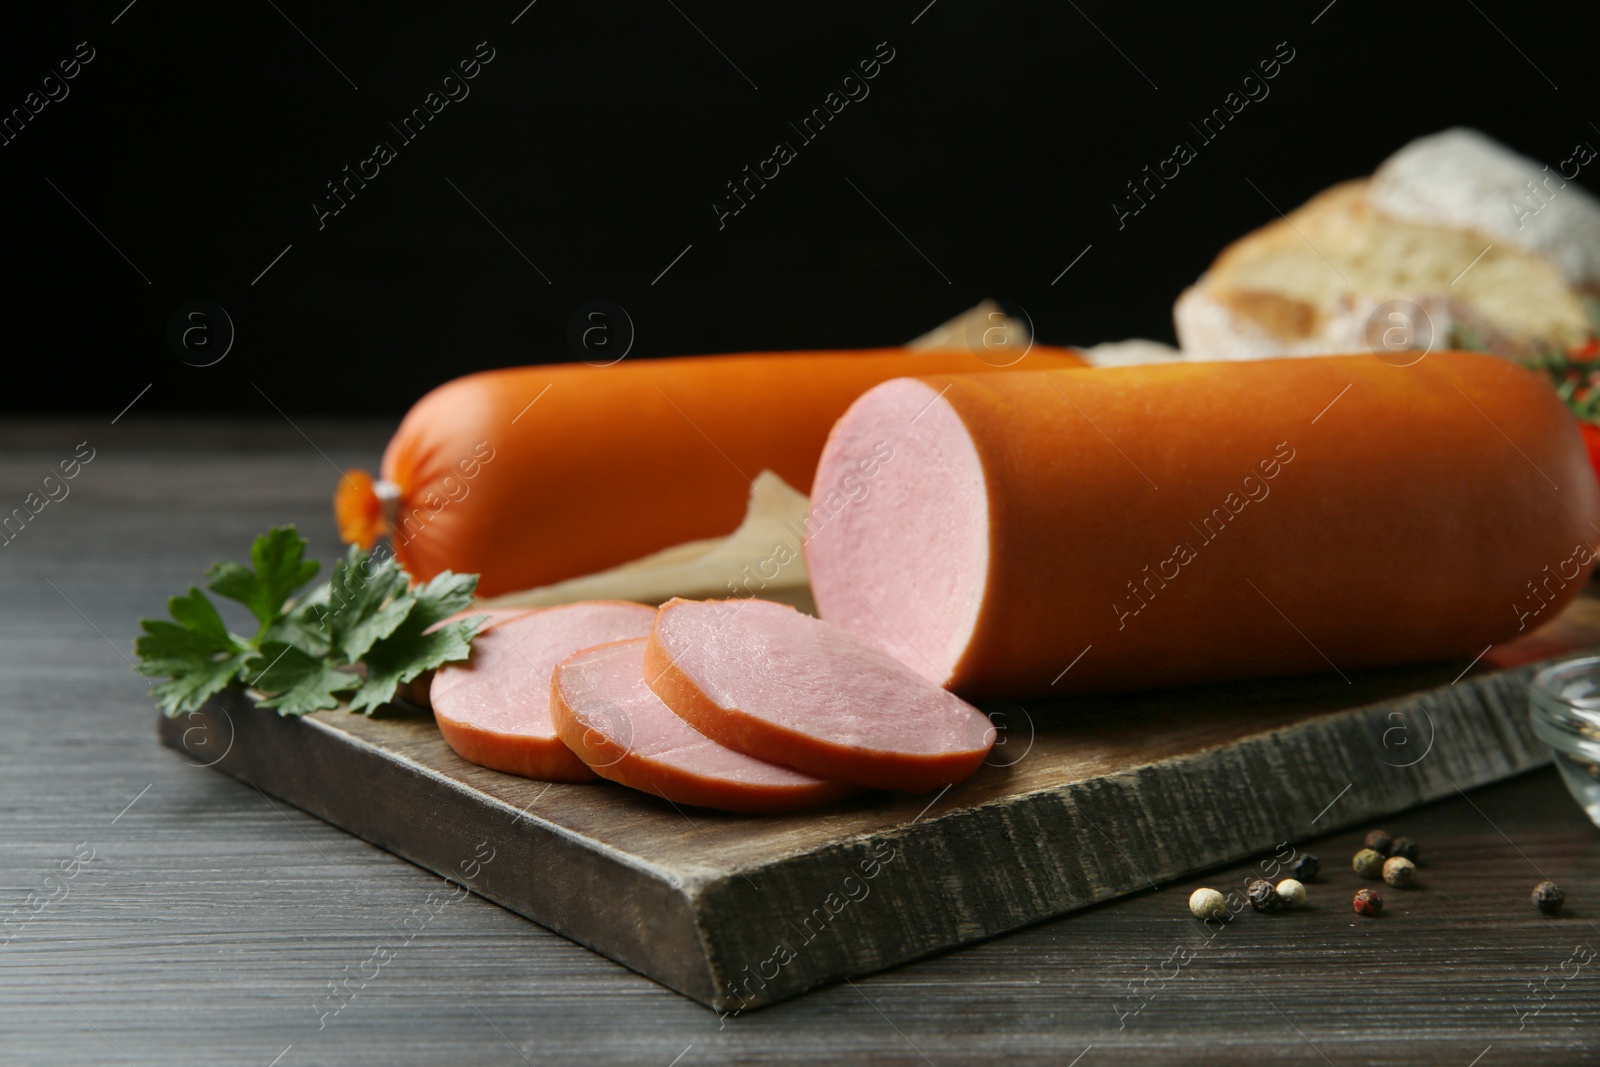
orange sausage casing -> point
(1095, 530)
(531, 475)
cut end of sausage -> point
(605, 713)
(769, 681)
(900, 566)
(494, 710)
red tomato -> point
(1591, 441)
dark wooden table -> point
(211, 920)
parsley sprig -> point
(356, 638)
(1574, 370)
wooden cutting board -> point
(1082, 801)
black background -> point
(200, 135)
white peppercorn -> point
(1399, 871)
(1207, 903)
(1291, 894)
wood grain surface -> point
(1087, 800)
(211, 920)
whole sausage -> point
(1095, 530)
(531, 475)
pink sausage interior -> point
(898, 537)
(604, 687)
(505, 687)
(776, 664)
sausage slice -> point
(607, 715)
(494, 710)
(782, 686)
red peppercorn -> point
(1368, 902)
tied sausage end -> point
(359, 510)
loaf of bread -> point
(1470, 244)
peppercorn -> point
(1368, 902)
(1206, 903)
(1548, 897)
(1291, 894)
(1368, 863)
(1399, 871)
(1304, 868)
(1262, 896)
(1404, 847)
(1380, 842)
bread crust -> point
(1308, 283)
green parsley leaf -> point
(1467, 339)
(308, 651)
(302, 626)
(196, 652)
(296, 683)
(280, 569)
(367, 601)
(446, 595)
(420, 643)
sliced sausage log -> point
(1092, 530)
(607, 715)
(494, 710)
(769, 681)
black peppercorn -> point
(1380, 842)
(1368, 902)
(1547, 897)
(1304, 868)
(1263, 897)
(1404, 847)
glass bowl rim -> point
(1543, 688)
